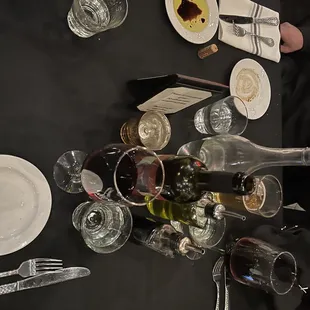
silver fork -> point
(241, 32)
(217, 275)
(33, 267)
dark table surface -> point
(59, 92)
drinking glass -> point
(260, 265)
(118, 172)
(211, 235)
(105, 226)
(266, 200)
(151, 130)
(226, 116)
(67, 171)
(88, 17)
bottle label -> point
(173, 100)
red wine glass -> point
(118, 172)
(260, 265)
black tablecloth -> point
(59, 92)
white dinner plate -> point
(195, 37)
(25, 203)
(249, 81)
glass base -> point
(154, 130)
(67, 171)
(78, 213)
(210, 236)
(124, 134)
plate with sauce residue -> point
(249, 81)
(195, 20)
(25, 203)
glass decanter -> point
(234, 153)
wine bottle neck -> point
(225, 182)
(281, 157)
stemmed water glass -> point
(105, 226)
(118, 172)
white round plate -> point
(25, 203)
(249, 81)
(195, 37)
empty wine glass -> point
(105, 226)
(118, 172)
(67, 171)
(226, 116)
(260, 265)
(151, 130)
(88, 17)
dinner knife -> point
(227, 288)
(272, 21)
(45, 279)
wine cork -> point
(207, 51)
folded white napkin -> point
(248, 43)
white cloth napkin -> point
(248, 43)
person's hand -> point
(292, 38)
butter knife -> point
(45, 279)
(272, 21)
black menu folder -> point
(172, 93)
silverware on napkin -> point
(33, 267)
(227, 288)
(272, 21)
(241, 32)
(217, 275)
(45, 279)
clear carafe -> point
(234, 153)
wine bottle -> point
(234, 153)
(187, 180)
(162, 238)
(192, 214)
